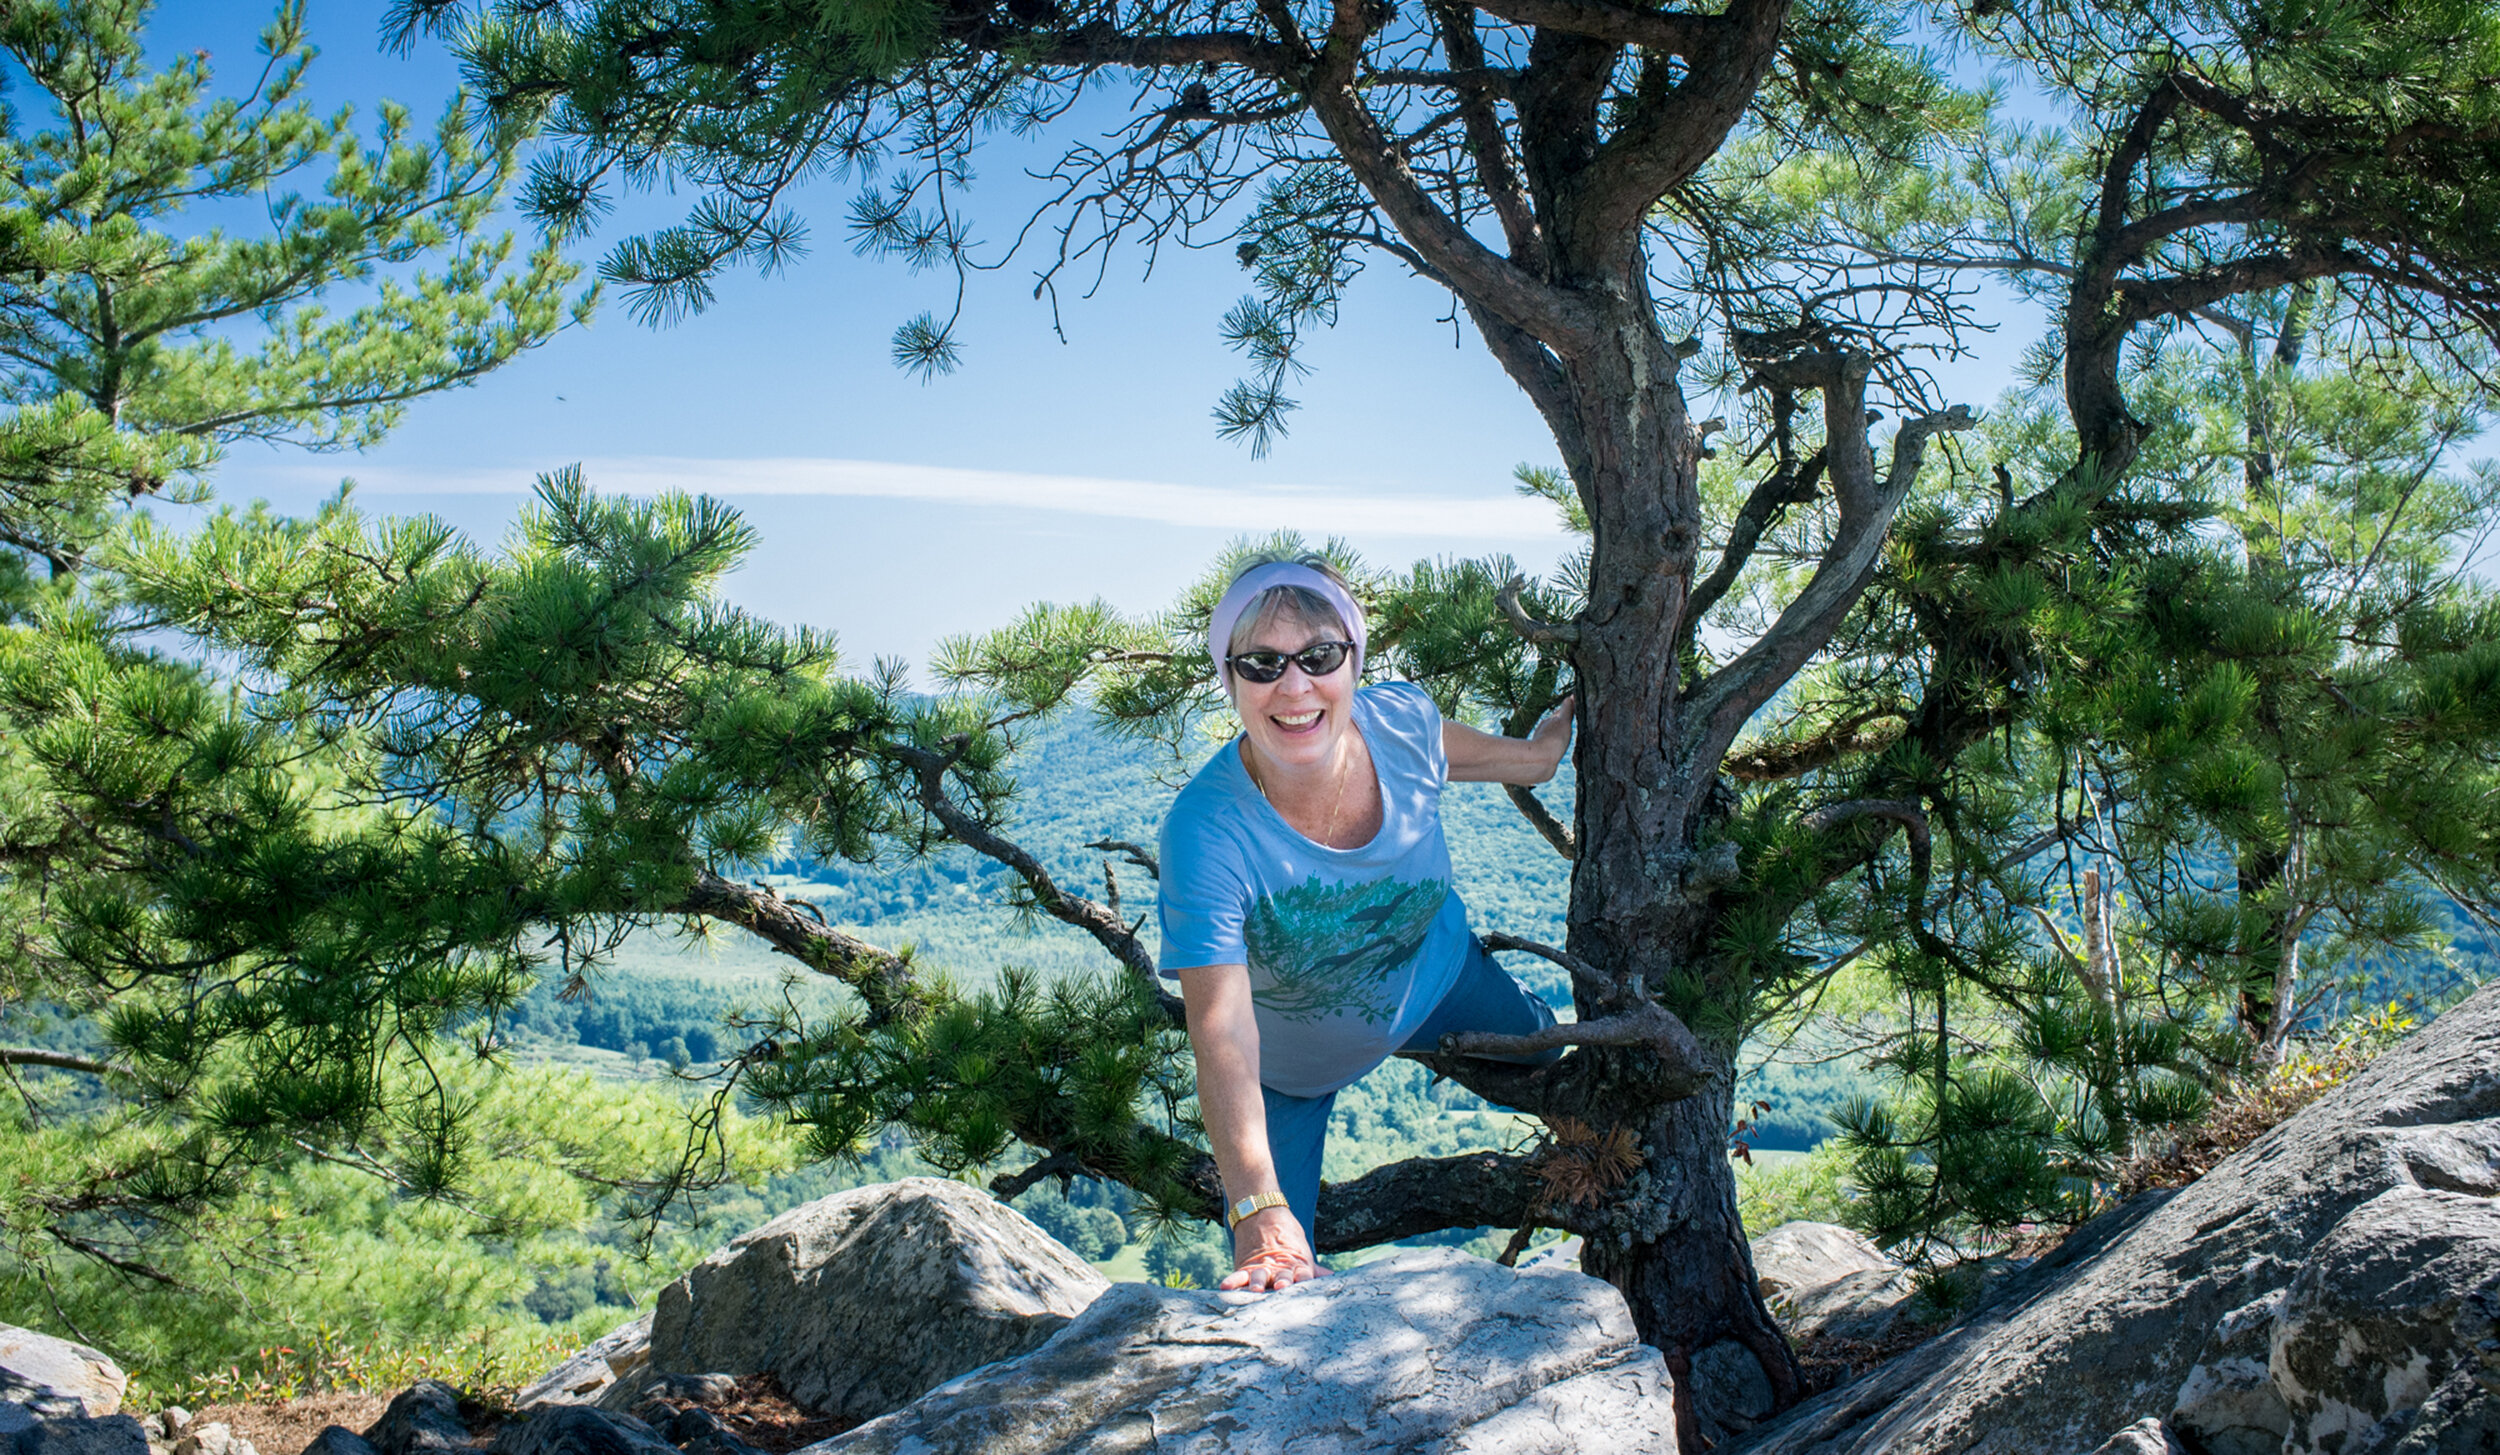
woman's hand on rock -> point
(1269, 1252)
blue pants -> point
(1483, 998)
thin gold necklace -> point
(1336, 805)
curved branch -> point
(1652, 1027)
(1426, 1195)
(1108, 929)
(54, 1060)
(1008, 1186)
(1100, 45)
(1137, 854)
(1488, 280)
(882, 978)
(1528, 627)
(1668, 32)
(1573, 963)
(1761, 509)
(1674, 127)
(1898, 810)
(1541, 818)
(1728, 698)
(1774, 762)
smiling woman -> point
(1306, 905)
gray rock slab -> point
(423, 1419)
(2228, 1404)
(2144, 1437)
(863, 1301)
(2404, 1291)
(634, 1395)
(25, 1430)
(338, 1440)
(578, 1430)
(211, 1438)
(56, 1377)
(1429, 1351)
(2462, 1416)
(1794, 1257)
(621, 1351)
(1868, 1304)
(2104, 1333)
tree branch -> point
(1668, 32)
(1673, 129)
(1541, 818)
(2195, 292)
(1573, 963)
(55, 1060)
(1109, 930)
(1102, 45)
(1724, 701)
(1897, 810)
(1650, 1026)
(1426, 1195)
(1775, 762)
(882, 978)
(1528, 627)
(1485, 136)
(1137, 854)
(1009, 1186)
(1761, 508)
(1488, 280)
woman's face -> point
(1297, 720)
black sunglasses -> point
(1316, 660)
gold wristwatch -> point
(1249, 1206)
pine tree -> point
(135, 350)
(1581, 177)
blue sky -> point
(894, 512)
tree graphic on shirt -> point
(1327, 949)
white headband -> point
(1250, 585)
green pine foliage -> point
(126, 378)
(140, 345)
(337, 1249)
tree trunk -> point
(2261, 873)
(1642, 890)
(1682, 1262)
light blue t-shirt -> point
(1349, 949)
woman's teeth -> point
(1298, 720)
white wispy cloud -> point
(1238, 508)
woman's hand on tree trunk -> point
(1552, 734)
(1269, 1252)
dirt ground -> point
(760, 1414)
(286, 1427)
(763, 1416)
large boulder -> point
(622, 1352)
(1822, 1281)
(52, 1376)
(423, 1419)
(1869, 1305)
(1795, 1257)
(24, 1431)
(863, 1301)
(2160, 1305)
(572, 1429)
(1428, 1350)
(2404, 1293)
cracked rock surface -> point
(1428, 1352)
(862, 1301)
(2330, 1288)
(55, 1377)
